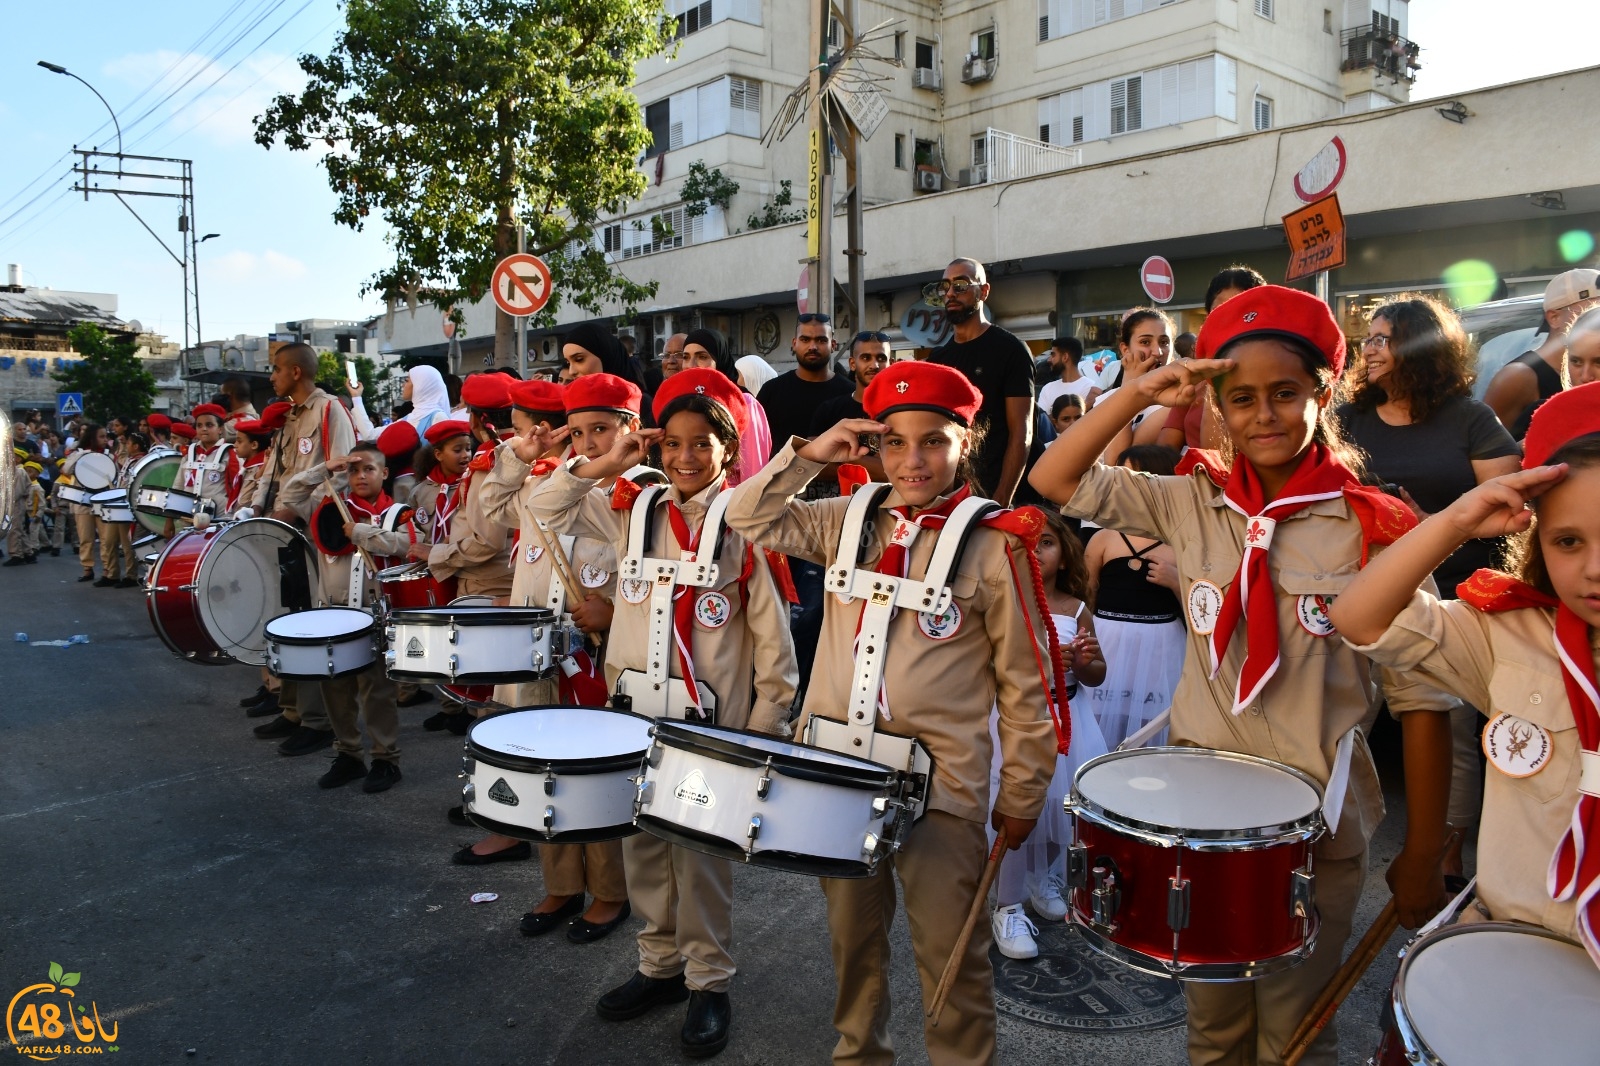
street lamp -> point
(56, 68)
(207, 237)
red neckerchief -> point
(373, 509)
(683, 603)
(1250, 597)
(1575, 867)
(444, 503)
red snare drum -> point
(1194, 864)
(211, 592)
(410, 586)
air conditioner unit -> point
(929, 181)
(926, 78)
(974, 70)
(975, 175)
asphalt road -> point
(221, 908)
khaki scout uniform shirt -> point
(941, 689)
(299, 446)
(1503, 662)
(1322, 688)
(505, 493)
(748, 661)
(478, 552)
(302, 494)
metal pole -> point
(820, 198)
(521, 321)
(194, 245)
(855, 230)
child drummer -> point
(1287, 519)
(943, 674)
(1524, 648)
(211, 468)
(733, 660)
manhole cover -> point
(1069, 986)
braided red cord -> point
(1060, 713)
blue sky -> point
(280, 256)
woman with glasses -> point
(1427, 440)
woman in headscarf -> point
(425, 391)
(589, 349)
(708, 348)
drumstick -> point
(344, 513)
(559, 561)
(1343, 983)
(979, 901)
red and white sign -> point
(1157, 278)
(1321, 176)
(802, 291)
(521, 284)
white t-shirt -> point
(1138, 418)
(1049, 392)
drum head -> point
(788, 757)
(1482, 994)
(238, 588)
(319, 625)
(1195, 790)
(110, 498)
(578, 736)
(474, 614)
(153, 472)
(95, 471)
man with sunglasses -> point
(999, 365)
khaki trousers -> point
(17, 538)
(1248, 1024)
(686, 900)
(302, 704)
(369, 694)
(116, 543)
(573, 869)
(86, 532)
(939, 869)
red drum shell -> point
(418, 592)
(171, 602)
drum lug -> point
(1303, 893)
(646, 791)
(187, 588)
(1105, 899)
(1177, 903)
(454, 661)
(549, 783)
(469, 794)
(453, 639)
(872, 848)
(388, 637)
(466, 766)
(754, 831)
(654, 757)
(388, 658)
(1077, 866)
(549, 822)
(764, 782)
(156, 588)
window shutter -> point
(1264, 8)
(1136, 103)
(744, 103)
(1226, 75)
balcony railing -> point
(1388, 53)
(1008, 156)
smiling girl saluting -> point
(1263, 543)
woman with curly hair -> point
(1411, 410)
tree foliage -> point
(706, 186)
(111, 376)
(776, 212)
(452, 119)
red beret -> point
(182, 429)
(1273, 311)
(913, 386)
(440, 432)
(1564, 417)
(712, 384)
(158, 421)
(250, 427)
(275, 415)
(537, 397)
(398, 440)
(209, 409)
(486, 391)
(603, 392)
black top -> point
(1549, 381)
(831, 412)
(1432, 461)
(791, 402)
(1001, 367)
(1126, 595)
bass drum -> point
(149, 484)
(213, 590)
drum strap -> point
(698, 570)
(1338, 781)
(556, 598)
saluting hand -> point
(629, 451)
(1179, 384)
(1500, 505)
(538, 442)
(842, 443)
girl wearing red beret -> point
(943, 674)
(1266, 534)
(210, 467)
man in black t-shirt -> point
(790, 400)
(999, 365)
(869, 353)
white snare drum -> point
(462, 644)
(319, 644)
(94, 472)
(112, 506)
(1492, 994)
(177, 503)
(556, 774)
(768, 802)
(76, 494)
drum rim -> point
(1306, 826)
(787, 861)
(604, 764)
(467, 616)
(597, 835)
(203, 568)
(312, 642)
(1410, 1039)
(1199, 973)
(497, 677)
(871, 777)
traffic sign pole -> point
(519, 321)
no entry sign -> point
(1157, 278)
(521, 284)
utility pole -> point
(520, 322)
(819, 201)
(854, 251)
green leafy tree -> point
(111, 376)
(452, 119)
(704, 187)
(332, 378)
(776, 212)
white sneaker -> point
(1013, 933)
(1047, 899)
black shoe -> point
(457, 816)
(32, 558)
(638, 995)
(278, 727)
(88, 575)
(125, 583)
(261, 693)
(437, 721)
(515, 853)
(305, 740)
(705, 1029)
(265, 707)
(583, 931)
(55, 552)
(345, 769)
(459, 724)
(384, 775)
(102, 583)
(417, 698)
(15, 560)
(535, 924)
